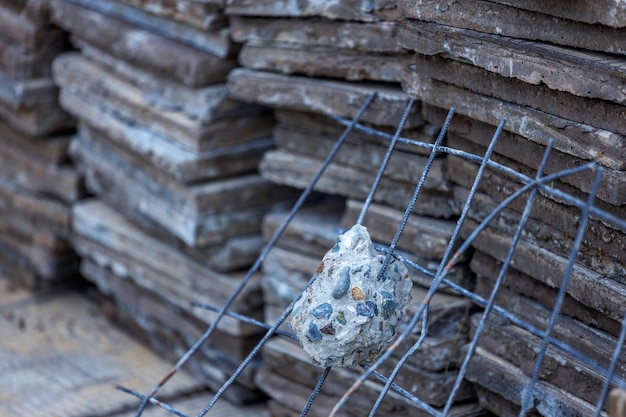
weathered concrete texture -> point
(324, 62)
(313, 231)
(295, 170)
(541, 232)
(323, 129)
(499, 405)
(606, 12)
(169, 330)
(52, 149)
(287, 378)
(205, 104)
(39, 119)
(33, 232)
(83, 81)
(318, 141)
(27, 93)
(198, 14)
(359, 10)
(549, 268)
(562, 369)
(508, 381)
(79, 356)
(182, 164)
(110, 241)
(340, 98)
(525, 156)
(515, 22)
(350, 314)
(424, 236)
(357, 36)
(35, 11)
(551, 220)
(577, 139)
(198, 214)
(518, 286)
(532, 62)
(20, 63)
(38, 175)
(594, 112)
(142, 48)
(215, 42)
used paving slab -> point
(548, 268)
(215, 42)
(508, 381)
(357, 36)
(295, 170)
(474, 136)
(359, 10)
(557, 67)
(512, 20)
(80, 78)
(594, 112)
(324, 61)
(580, 140)
(522, 286)
(131, 252)
(340, 98)
(606, 12)
(140, 47)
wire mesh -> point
(531, 187)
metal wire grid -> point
(531, 186)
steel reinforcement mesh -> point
(454, 252)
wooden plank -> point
(548, 268)
(558, 368)
(340, 98)
(526, 297)
(317, 141)
(518, 21)
(288, 378)
(80, 358)
(532, 62)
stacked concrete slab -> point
(553, 71)
(37, 181)
(309, 60)
(171, 161)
